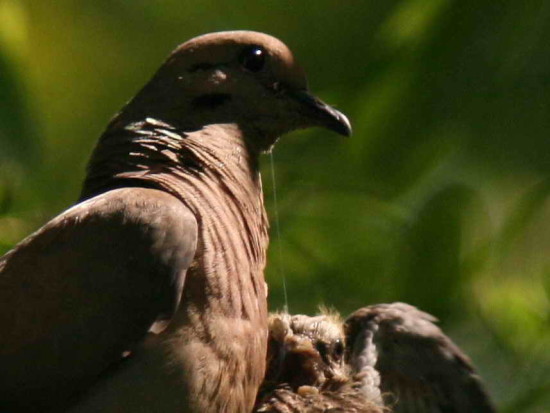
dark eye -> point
(321, 348)
(253, 58)
(338, 350)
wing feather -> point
(420, 368)
(86, 287)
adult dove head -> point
(237, 77)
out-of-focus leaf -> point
(516, 310)
(534, 200)
(535, 399)
(6, 198)
(17, 138)
(434, 277)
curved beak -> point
(321, 113)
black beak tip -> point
(342, 125)
(322, 114)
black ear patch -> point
(210, 101)
(200, 66)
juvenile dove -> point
(306, 371)
(420, 368)
(169, 236)
(384, 358)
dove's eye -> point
(338, 350)
(253, 58)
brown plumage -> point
(169, 236)
(395, 359)
(420, 368)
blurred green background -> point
(440, 199)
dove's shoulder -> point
(89, 284)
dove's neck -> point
(214, 173)
(223, 313)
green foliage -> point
(440, 199)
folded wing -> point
(85, 288)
